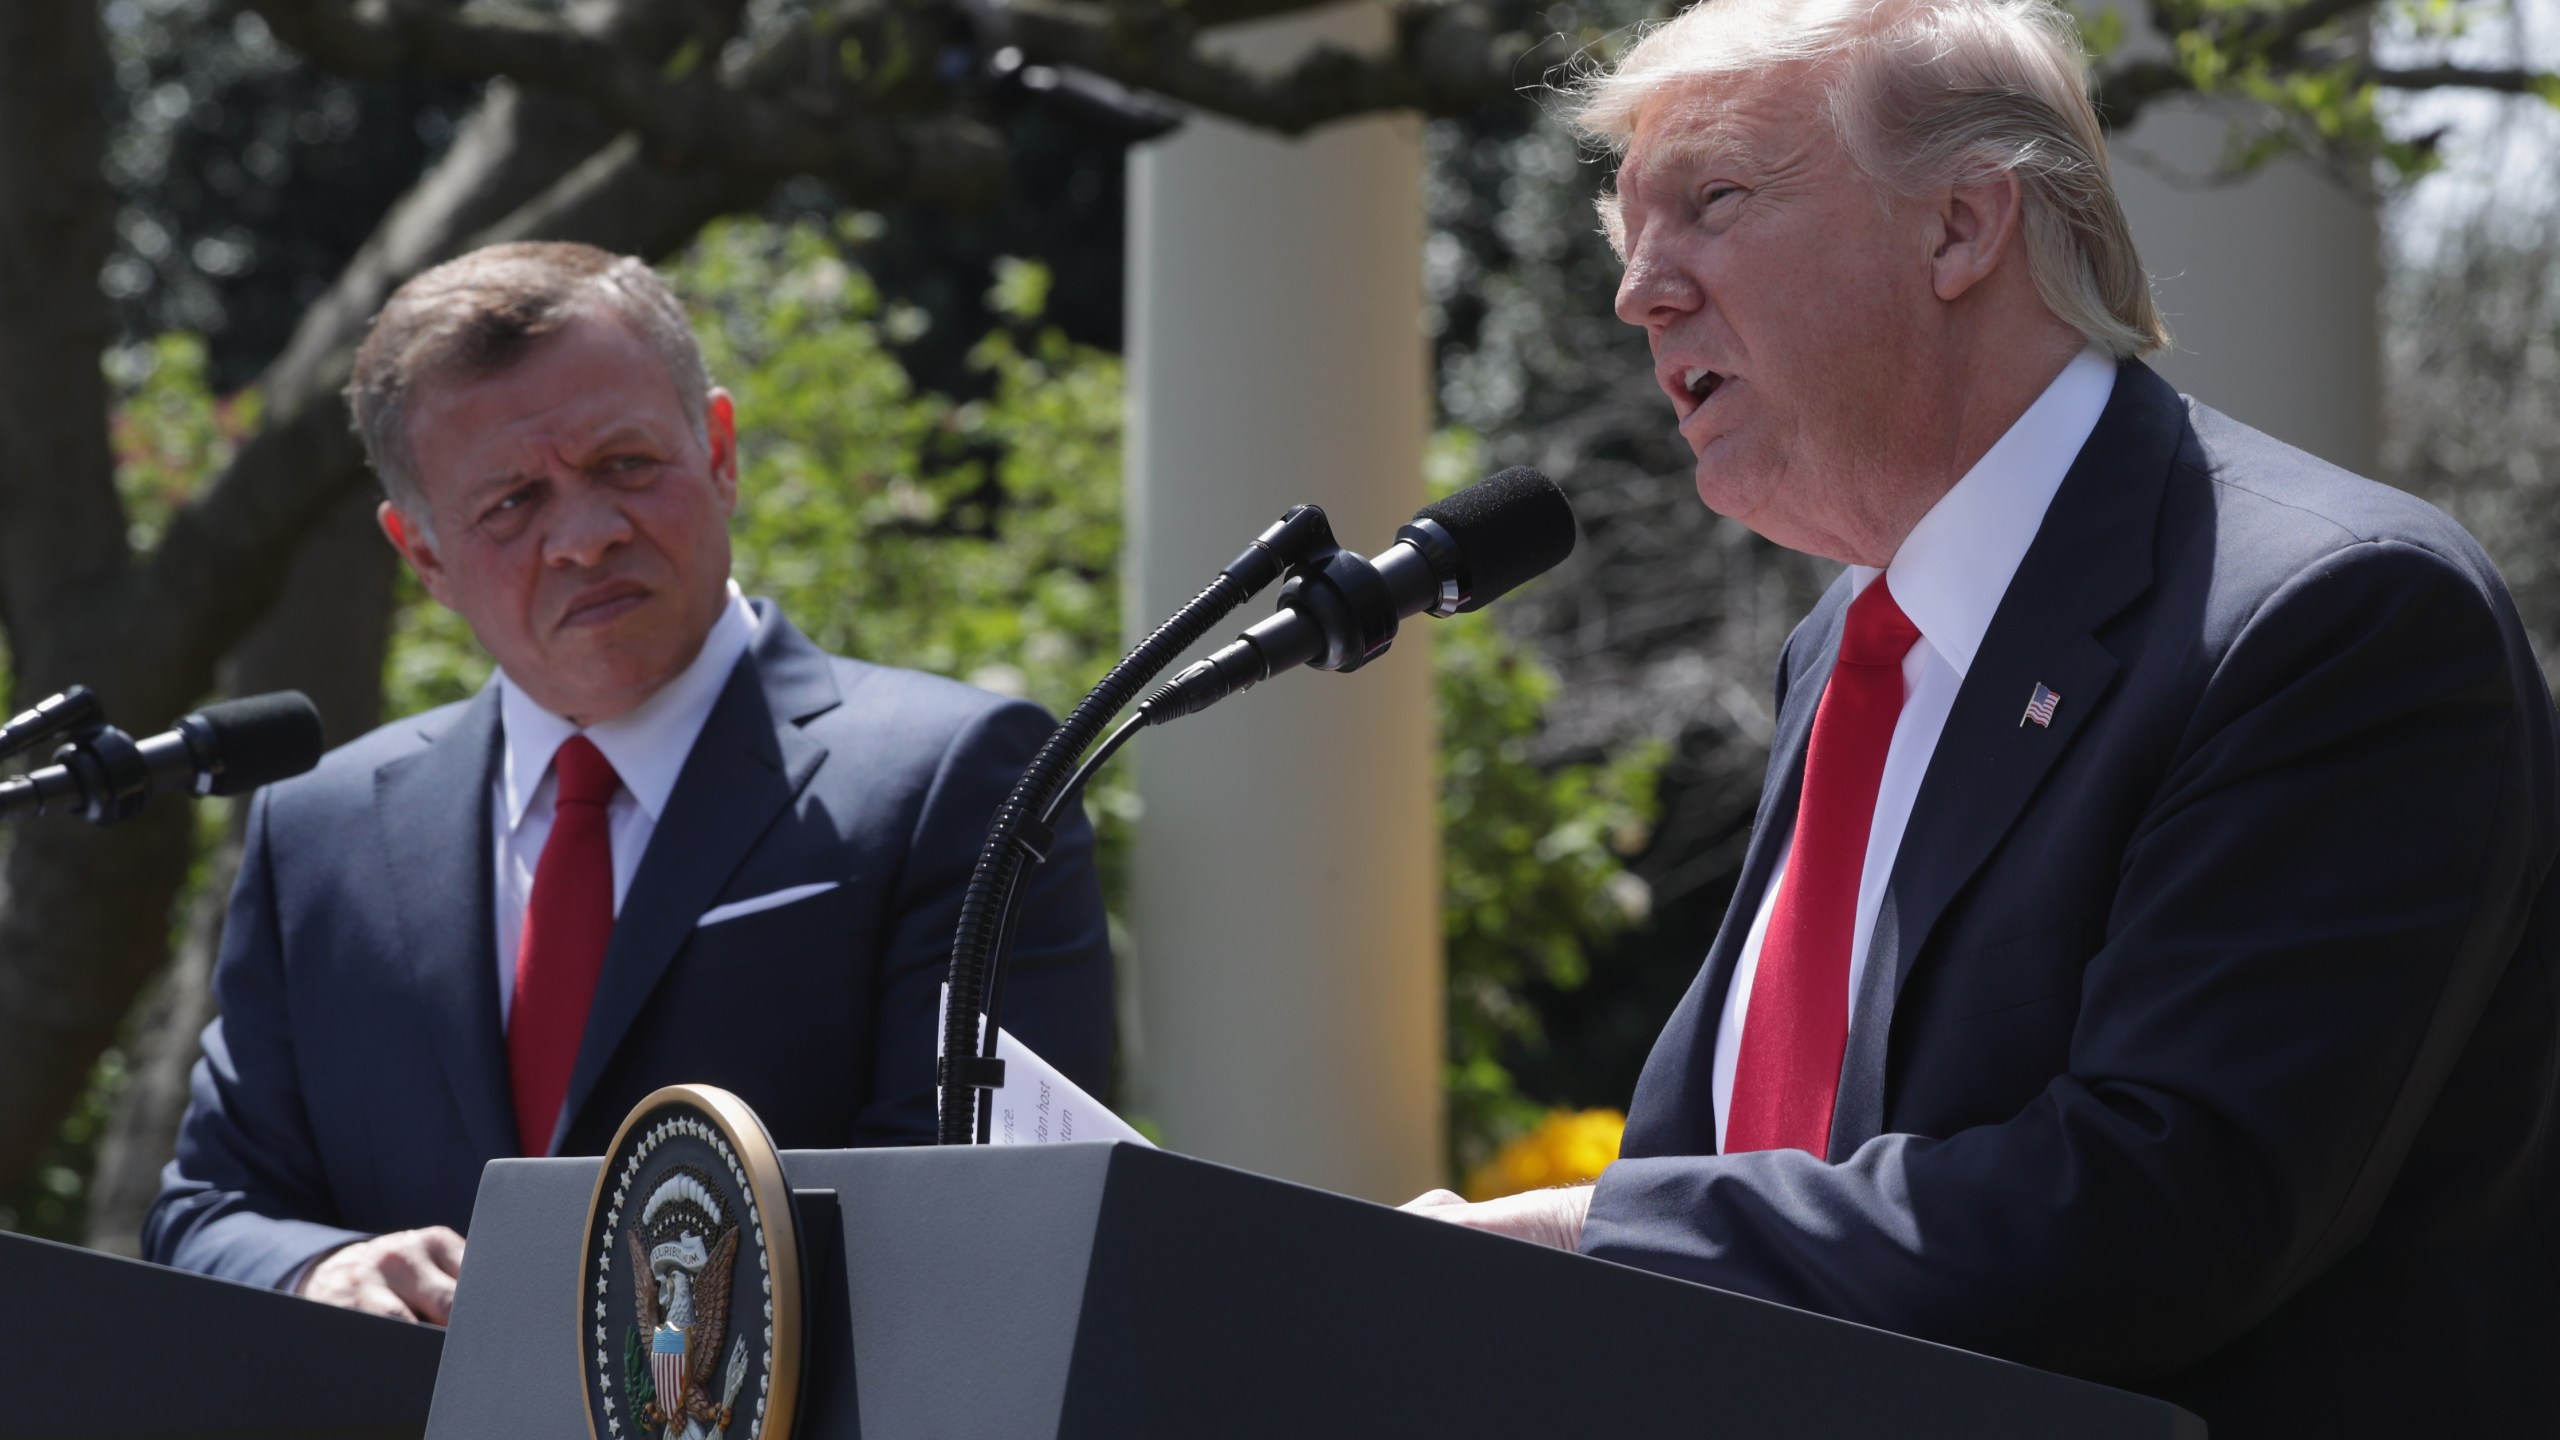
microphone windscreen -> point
(1509, 530)
(260, 739)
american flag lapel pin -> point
(2040, 707)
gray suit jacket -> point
(357, 1078)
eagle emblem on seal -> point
(689, 1324)
(680, 1291)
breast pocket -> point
(774, 1003)
(789, 941)
(770, 900)
(794, 974)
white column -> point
(2270, 285)
(1285, 907)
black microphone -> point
(73, 709)
(1340, 611)
(223, 749)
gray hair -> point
(480, 314)
(1924, 93)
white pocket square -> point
(784, 896)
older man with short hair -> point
(671, 841)
(2144, 964)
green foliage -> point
(2327, 109)
(1533, 865)
(1021, 291)
(2101, 28)
(169, 430)
(978, 539)
(433, 659)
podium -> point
(1105, 1290)
(97, 1347)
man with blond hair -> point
(672, 840)
(2144, 964)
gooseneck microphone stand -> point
(1024, 830)
(1338, 612)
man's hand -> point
(408, 1275)
(1550, 1217)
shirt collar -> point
(1954, 566)
(646, 747)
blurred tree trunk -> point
(326, 637)
(83, 913)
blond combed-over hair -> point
(1926, 93)
(480, 313)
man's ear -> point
(1977, 227)
(417, 547)
(721, 417)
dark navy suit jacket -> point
(2207, 1040)
(357, 1078)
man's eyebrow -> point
(629, 432)
(1705, 137)
(495, 482)
(1708, 140)
(626, 433)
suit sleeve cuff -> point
(1641, 1208)
(281, 1254)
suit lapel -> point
(2090, 559)
(440, 880)
(747, 766)
(1668, 1091)
(1774, 826)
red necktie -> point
(566, 927)
(1797, 1023)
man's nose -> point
(1654, 291)
(588, 526)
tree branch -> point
(1446, 59)
(2456, 77)
(684, 111)
(2277, 38)
(2121, 94)
(860, 96)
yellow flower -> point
(1569, 1147)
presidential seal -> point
(689, 1295)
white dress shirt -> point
(647, 748)
(1948, 577)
